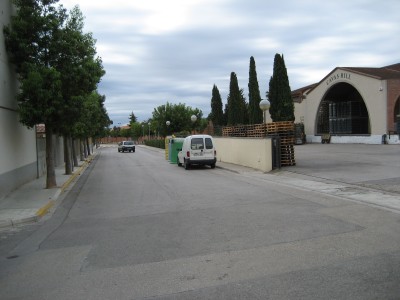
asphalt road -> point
(137, 227)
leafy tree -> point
(80, 71)
(31, 41)
(282, 107)
(125, 132)
(136, 130)
(217, 114)
(56, 67)
(179, 116)
(236, 103)
(255, 113)
(94, 120)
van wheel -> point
(185, 165)
(179, 164)
(212, 166)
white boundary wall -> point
(18, 161)
(373, 139)
(249, 152)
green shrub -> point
(155, 143)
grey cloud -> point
(147, 70)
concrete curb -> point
(44, 210)
(75, 174)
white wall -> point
(250, 152)
(18, 144)
(18, 162)
(8, 81)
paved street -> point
(136, 227)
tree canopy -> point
(236, 103)
(279, 94)
(255, 113)
(57, 68)
(217, 114)
(179, 116)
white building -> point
(18, 155)
(354, 105)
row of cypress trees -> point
(238, 111)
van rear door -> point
(209, 149)
(197, 148)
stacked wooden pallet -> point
(227, 131)
(255, 130)
(285, 131)
(284, 128)
(239, 131)
(259, 130)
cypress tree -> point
(236, 115)
(280, 97)
(244, 108)
(217, 115)
(226, 109)
(255, 113)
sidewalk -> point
(376, 196)
(32, 201)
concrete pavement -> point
(368, 174)
(32, 201)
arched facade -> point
(354, 105)
(396, 115)
(342, 111)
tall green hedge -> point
(155, 143)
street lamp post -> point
(264, 106)
(149, 130)
(167, 123)
(193, 118)
(142, 130)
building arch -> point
(396, 115)
(342, 111)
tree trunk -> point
(84, 147)
(71, 145)
(50, 171)
(81, 149)
(74, 154)
(67, 156)
(88, 146)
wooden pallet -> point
(285, 131)
(288, 163)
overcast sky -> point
(156, 51)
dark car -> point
(126, 146)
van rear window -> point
(197, 144)
(209, 144)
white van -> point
(197, 150)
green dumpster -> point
(175, 147)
